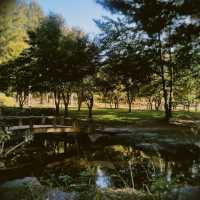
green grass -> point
(117, 115)
(111, 116)
(187, 115)
(122, 116)
(7, 101)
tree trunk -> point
(90, 103)
(66, 99)
(21, 104)
(116, 102)
(57, 98)
(196, 107)
(129, 106)
(80, 99)
(79, 106)
(104, 100)
(29, 99)
(165, 93)
(41, 98)
(90, 112)
(150, 105)
(157, 103)
(130, 98)
(110, 101)
(22, 96)
(171, 72)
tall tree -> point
(45, 43)
(158, 21)
(125, 53)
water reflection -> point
(102, 180)
(123, 165)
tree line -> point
(150, 49)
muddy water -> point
(79, 161)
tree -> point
(18, 75)
(70, 57)
(107, 84)
(125, 53)
(89, 74)
(45, 43)
(158, 21)
(15, 22)
(153, 93)
(16, 19)
(89, 89)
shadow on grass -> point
(119, 115)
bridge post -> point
(62, 120)
(54, 121)
(20, 122)
(31, 124)
(43, 121)
(75, 123)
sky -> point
(77, 13)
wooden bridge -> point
(45, 124)
(37, 129)
(21, 120)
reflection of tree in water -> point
(105, 166)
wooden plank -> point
(56, 130)
(46, 129)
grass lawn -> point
(121, 116)
(109, 116)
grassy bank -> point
(107, 116)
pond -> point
(74, 163)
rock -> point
(122, 194)
(29, 188)
(103, 164)
(21, 189)
(184, 193)
(152, 147)
(95, 137)
(59, 195)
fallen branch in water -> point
(15, 147)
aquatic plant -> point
(4, 137)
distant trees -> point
(21, 80)
(56, 60)
(108, 85)
(163, 26)
(16, 19)
(151, 51)
(125, 53)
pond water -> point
(76, 161)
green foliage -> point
(4, 137)
(161, 185)
(16, 19)
(15, 22)
(7, 101)
(170, 41)
(64, 181)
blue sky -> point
(77, 13)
